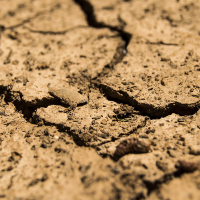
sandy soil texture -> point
(100, 99)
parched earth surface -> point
(100, 99)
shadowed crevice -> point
(149, 109)
(25, 107)
(121, 50)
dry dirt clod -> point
(68, 96)
(195, 150)
(187, 166)
(132, 145)
(124, 110)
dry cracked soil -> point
(100, 99)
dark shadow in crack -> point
(154, 186)
(121, 50)
(148, 109)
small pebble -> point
(68, 96)
(104, 122)
(195, 150)
(187, 166)
(162, 165)
(172, 153)
(97, 117)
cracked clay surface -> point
(100, 99)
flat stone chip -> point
(68, 96)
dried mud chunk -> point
(15, 156)
(29, 140)
(104, 122)
(68, 96)
(84, 137)
(124, 110)
(172, 153)
(132, 145)
(195, 150)
(187, 166)
(162, 165)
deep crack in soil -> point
(121, 50)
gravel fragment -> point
(187, 166)
(68, 96)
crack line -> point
(121, 50)
(55, 32)
(149, 109)
(3, 28)
(162, 43)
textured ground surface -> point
(100, 99)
